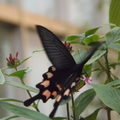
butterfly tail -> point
(92, 51)
(54, 110)
(31, 100)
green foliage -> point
(21, 85)
(23, 112)
(82, 101)
(109, 95)
(20, 74)
(2, 78)
(93, 116)
(114, 12)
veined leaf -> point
(82, 101)
(23, 112)
(10, 99)
(20, 74)
(91, 39)
(25, 59)
(109, 95)
(114, 16)
(93, 30)
(22, 86)
(9, 117)
(73, 37)
(112, 36)
(115, 46)
(93, 116)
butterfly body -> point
(62, 77)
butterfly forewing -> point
(58, 54)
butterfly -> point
(62, 77)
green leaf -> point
(20, 74)
(93, 116)
(91, 39)
(23, 112)
(25, 59)
(110, 96)
(83, 100)
(114, 10)
(118, 56)
(113, 36)
(80, 55)
(115, 46)
(115, 83)
(87, 69)
(2, 78)
(73, 37)
(114, 64)
(59, 118)
(38, 50)
(22, 86)
(93, 30)
(10, 99)
(96, 56)
(9, 117)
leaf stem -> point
(108, 113)
(73, 106)
(108, 72)
(68, 114)
(34, 104)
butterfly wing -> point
(69, 84)
(58, 54)
(62, 61)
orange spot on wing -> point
(59, 98)
(45, 83)
(66, 93)
(54, 94)
(49, 74)
(59, 87)
(46, 93)
(53, 68)
(73, 84)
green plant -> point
(107, 90)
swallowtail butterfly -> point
(62, 77)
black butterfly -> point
(62, 77)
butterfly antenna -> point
(31, 100)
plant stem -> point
(100, 65)
(68, 114)
(73, 106)
(34, 104)
(108, 113)
(109, 79)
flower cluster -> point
(13, 62)
(83, 81)
(87, 80)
